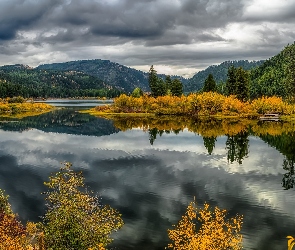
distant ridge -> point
(114, 74)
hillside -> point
(22, 80)
(276, 76)
(116, 75)
(219, 73)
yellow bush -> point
(271, 104)
(202, 229)
(207, 103)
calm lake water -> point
(150, 174)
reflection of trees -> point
(289, 177)
(209, 143)
(284, 143)
(153, 132)
(237, 146)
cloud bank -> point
(180, 36)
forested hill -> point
(276, 76)
(21, 80)
(219, 72)
(117, 75)
(114, 74)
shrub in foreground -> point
(202, 229)
(75, 218)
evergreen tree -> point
(176, 87)
(231, 81)
(161, 87)
(168, 84)
(238, 83)
(153, 81)
(210, 84)
(242, 84)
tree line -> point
(237, 83)
(160, 87)
(18, 81)
(275, 77)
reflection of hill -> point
(63, 121)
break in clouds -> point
(180, 36)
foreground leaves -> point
(202, 229)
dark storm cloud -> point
(127, 19)
(191, 33)
(16, 15)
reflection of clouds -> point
(152, 185)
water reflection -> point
(209, 143)
(67, 121)
(280, 135)
(237, 147)
(289, 177)
(151, 185)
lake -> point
(151, 169)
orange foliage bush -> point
(272, 104)
(13, 235)
(207, 103)
(202, 229)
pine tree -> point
(231, 81)
(153, 81)
(168, 84)
(161, 87)
(242, 84)
(210, 84)
(176, 87)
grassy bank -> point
(205, 104)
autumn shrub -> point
(13, 235)
(204, 229)
(75, 218)
(24, 107)
(232, 106)
(271, 104)
(207, 103)
(16, 99)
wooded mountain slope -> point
(219, 73)
(22, 80)
(276, 76)
(117, 75)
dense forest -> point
(275, 76)
(21, 80)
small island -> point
(19, 107)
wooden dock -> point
(270, 117)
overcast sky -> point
(177, 36)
